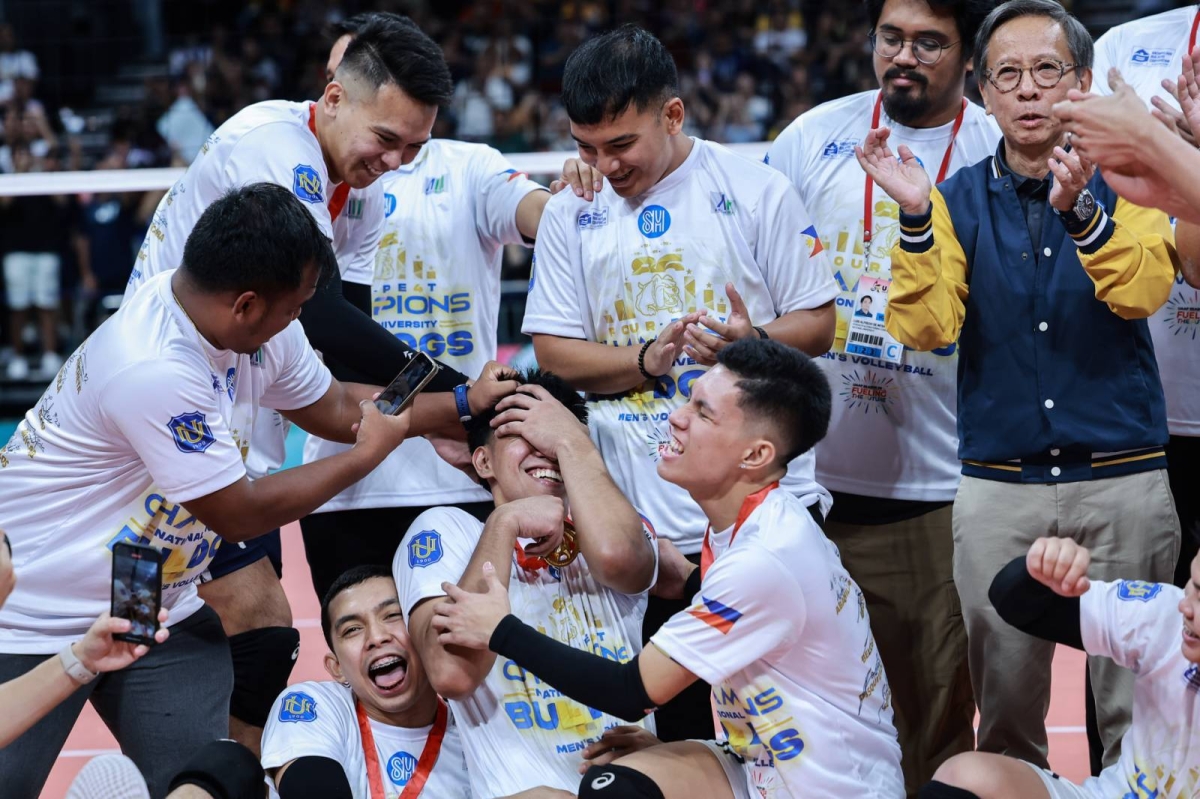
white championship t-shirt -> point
(437, 288)
(619, 271)
(144, 416)
(519, 732)
(1139, 626)
(1147, 51)
(318, 719)
(781, 632)
(893, 427)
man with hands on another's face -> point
(1033, 248)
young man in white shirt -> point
(775, 623)
(1149, 53)
(375, 115)
(578, 560)
(635, 291)
(1048, 594)
(378, 727)
(434, 281)
(891, 456)
(142, 438)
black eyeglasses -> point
(925, 49)
(1046, 74)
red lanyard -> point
(429, 755)
(337, 200)
(869, 184)
(1192, 38)
(749, 504)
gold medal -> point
(566, 552)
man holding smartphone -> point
(142, 438)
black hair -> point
(350, 26)
(783, 387)
(1079, 41)
(349, 578)
(968, 16)
(389, 48)
(479, 429)
(259, 238)
(608, 73)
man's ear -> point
(333, 667)
(759, 454)
(673, 115)
(249, 306)
(481, 459)
(334, 97)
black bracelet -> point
(642, 361)
(762, 334)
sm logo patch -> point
(424, 549)
(714, 614)
(306, 183)
(401, 767)
(1137, 590)
(298, 707)
(191, 432)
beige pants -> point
(1130, 526)
(905, 571)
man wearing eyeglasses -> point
(890, 457)
(1044, 277)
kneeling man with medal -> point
(581, 561)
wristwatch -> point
(75, 668)
(1083, 210)
(460, 402)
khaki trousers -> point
(905, 571)
(1130, 526)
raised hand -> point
(1071, 175)
(1060, 564)
(661, 354)
(617, 742)
(1108, 131)
(903, 178)
(536, 416)
(468, 619)
(98, 651)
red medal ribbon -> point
(749, 505)
(869, 184)
(337, 200)
(1192, 38)
(425, 764)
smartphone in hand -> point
(137, 590)
(405, 386)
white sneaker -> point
(50, 364)
(18, 368)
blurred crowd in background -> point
(115, 84)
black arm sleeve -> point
(606, 685)
(315, 778)
(354, 346)
(692, 586)
(1033, 608)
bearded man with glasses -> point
(1044, 278)
(890, 457)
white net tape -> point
(122, 180)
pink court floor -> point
(1068, 742)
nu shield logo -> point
(424, 549)
(191, 432)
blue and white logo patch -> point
(654, 221)
(401, 767)
(839, 148)
(424, 549)
(231, 382)
(306, 183)
(191, 432)
(298, 707)
(591, 220)
(389, 204)
(1137, 590)
(1157, 57)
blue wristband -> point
(460, 402)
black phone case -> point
(154, 556)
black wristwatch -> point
(1083, 210)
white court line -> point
(94, 752)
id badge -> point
(866, 334)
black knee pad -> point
(226, 769)
(262, 663)
(940, 790)
(617, 782)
